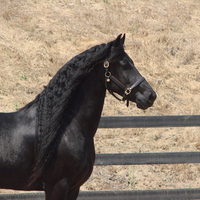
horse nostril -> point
(152, 97)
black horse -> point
(48, 144)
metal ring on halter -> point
(106, 64)
(127, 91)
(107, 75)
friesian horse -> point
(48, 144)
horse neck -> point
(87, 104)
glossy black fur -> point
(48, 144)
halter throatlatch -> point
(127, 90)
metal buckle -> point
(106, 64)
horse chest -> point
(77, 155)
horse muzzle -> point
(146, 100)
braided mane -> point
(56, 98)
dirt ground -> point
(162, 37)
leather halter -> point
(127, 90)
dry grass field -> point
(162, 37)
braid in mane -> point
(55, 98)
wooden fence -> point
(137, 159)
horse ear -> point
(123, 39)
(119, 41)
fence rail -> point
(137, 159)
(150, 121)
(147, 158)
(183, 194)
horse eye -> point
(123, 63)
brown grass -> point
(38, 36)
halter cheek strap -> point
(127, 90)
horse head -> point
(123, 78)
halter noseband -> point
(127, 90)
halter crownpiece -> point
(127, 90)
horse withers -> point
(48, 144)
